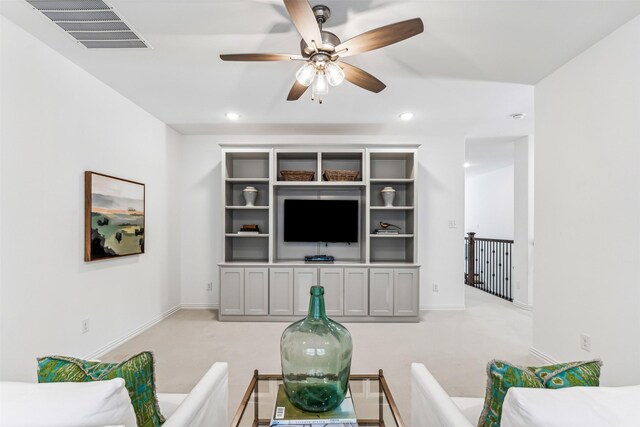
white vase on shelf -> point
(388, 194)
(249, 194)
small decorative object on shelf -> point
(388, 194)
(340, 175)
(297, 175)
(249, 194)
(249, 229)
(316, 359)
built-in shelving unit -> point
(377, 276)
(247, 168)
(397, 169)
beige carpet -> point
(454, 345)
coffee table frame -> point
(383, 393)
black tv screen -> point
(320, 220)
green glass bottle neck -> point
(316, 304)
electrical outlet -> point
(585, 342)
(452, 223)
(517, 284)
(210, 286)
(436, 288)
(85, 326)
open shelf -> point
(247, 235)
(296, 161)
(319, 184)
(390, 180)
(391, 208)
(352, 161)
(248, 207)
(386, 165)
(391, 236)
(247, 166)
(251, 249)
(247, 180)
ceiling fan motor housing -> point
(329, 42)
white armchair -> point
(432, 406)
(205, 405)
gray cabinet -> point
(256, 291)
(361, 293)
(356, 292)
(232, 291)
(281, 291)
(381, 292)
(303, 279)
(405, 292)
(332, 279)
(244, 291)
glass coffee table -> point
(372, 401)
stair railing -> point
(488, 265)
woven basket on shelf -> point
(297, 175)
(340, 175)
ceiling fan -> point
(322, 51)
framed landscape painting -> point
(114, 217)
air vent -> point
(92, 23)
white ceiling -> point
(472, 67)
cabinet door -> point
(281, 291)
(303, 279)
(381, 292)
(405, 292)
(356, 292)
(332, 279)
(232, 291)
(256, 291)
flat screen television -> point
(321, 221)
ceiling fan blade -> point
(381, 37)
(260, 57)
(361, 78)
(305, 21)
(296, 91)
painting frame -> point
(95, 243)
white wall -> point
(489, 204)
(587, 208)
(522, 257)
(441, 199)
(57, 122)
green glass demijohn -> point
(316, 358)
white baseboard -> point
(200, 306)
(137, 331)
(542, 356)
(522, 305)
(442, 307)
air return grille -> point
(93, 23)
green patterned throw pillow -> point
(137, 372)
(501, 376)
(570, 374)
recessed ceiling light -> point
(467, 164)
(232, 116)
(517, 116)
(406, 116)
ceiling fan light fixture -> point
(334, 74)
(306, 74)
(320, 85)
